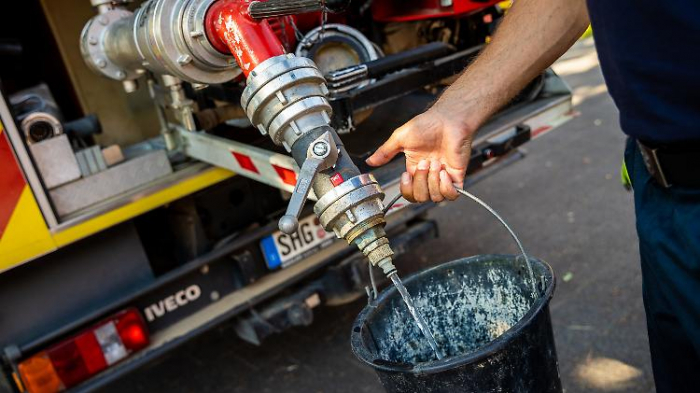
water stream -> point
(420, 321)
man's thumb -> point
(386, 152)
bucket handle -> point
(493, 213)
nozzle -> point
(374, 244)
(387, 266)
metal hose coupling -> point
(162, 36)
(355, 212)
(285, 98)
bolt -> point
(184, 59)
(320, 148)
(196, 33)
(204, 269)
(103, 20)
(121, 75)
(92, 41)
(214, 296)
(101, 63)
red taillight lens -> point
(132, 330)
(68, 363)
(72, 361)
(91, 352)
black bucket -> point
(481, 310)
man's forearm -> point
(531, 37)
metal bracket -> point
(322, 154)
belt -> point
(672, 165)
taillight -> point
(76, 359)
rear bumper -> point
(234, 305)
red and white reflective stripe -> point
(266, 166)
(539, 131)
(288, 176)
(245, 162)
(275, 169)
(549, 120)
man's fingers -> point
(457, 175)
(407, 187)
(421, 192)
(446, 187)
(387, 151)
(434, 181)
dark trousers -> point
(668, 225)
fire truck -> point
(169, 165)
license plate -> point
(282, 250)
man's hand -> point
(437, 150)
(437, 143)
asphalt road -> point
(566, 202)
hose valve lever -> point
(322, 154)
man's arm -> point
(437, 143)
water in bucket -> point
(417, 316)
(493, 334)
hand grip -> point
(321, 154)
(290, 221)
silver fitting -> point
(163, 36)
(39, 126)
(285, 97)
(352, 207)
(355, 212)
(374, 244)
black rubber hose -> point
(411, 57)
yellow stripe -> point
(26, 235)
(505, 5)
(210, 177)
